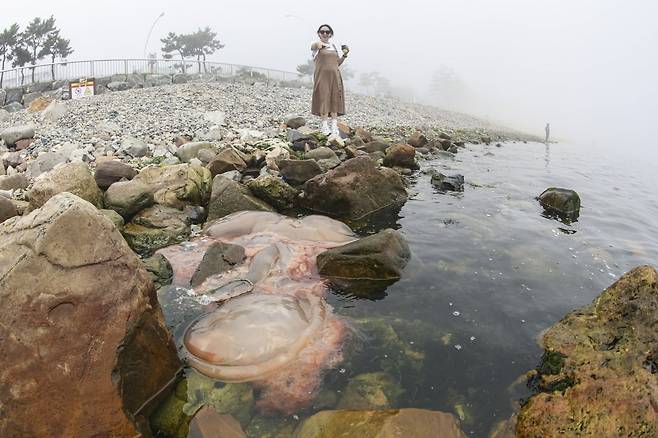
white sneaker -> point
(325, 128)
(334, 128)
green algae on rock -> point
(598, 377)
(371, 391)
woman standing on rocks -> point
(328, 93)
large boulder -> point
(177, 186)
(598, 376)
(111, 171)
(299, 171)
(84, 344)
(128, 197)
(75, 178)
(416, 423)
(225, 161)
(564, 203)
(401, 155)
(354, 190)
(229, 196)
(381, 256)
(274, 191)
(156, 227)
(12, 134)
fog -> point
(588, 67)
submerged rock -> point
(208, 423)
(452, 183)
(354, 190)
(85, 345)
(219, 257)
(417, 423)
(564, 203)
(598, 374)
(371, 391)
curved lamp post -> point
(151, 31)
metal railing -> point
(21, 76)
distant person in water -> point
(328, 92)
(548, 132)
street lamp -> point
(150, 32)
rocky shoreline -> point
(90, 190)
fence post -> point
(125, 64)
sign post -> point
(83, 87)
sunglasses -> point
(325, 32)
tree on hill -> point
(201, 43)
(57, 47)
(175, 43)
(21, 58)
(8, 40)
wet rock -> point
(371, 391)
(598, 376)
(231, 399)
(447, 183)
(219, 257)
(417, 423)
(354, 190)
(380, 257)
(274, 191)
(127, 198)
(169, 419)
(208, 423)
(115, 217)
(134, 147)
(13, 182)
(75, 178)
(564, 203)
(13, 134)
(226, 160)
(156, 227)
(88, 324)
(299, 171)
(190, 150)
(111, 171)
(417, 140)
(160, 269)
(401, 155)
(295, 122)
(178, 185)
(7, 209)
(375, 146)
(229, 196)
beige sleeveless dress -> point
(328, 93)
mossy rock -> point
(371, 391)
(169, 419)
(236, 399)
(271, 427)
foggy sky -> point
(589, 67)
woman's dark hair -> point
(325, 25)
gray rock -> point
(14, 95)
(160, 270)
(229, 196)
(453, 183)
(232, 175)
(4, 115)
(296, 136)
(157, 80)
(180, 78)
(273, 190)
(206, 155)
(129, 197)
(190, 150)
(564, 203)
(13, 107)
(115, 217)
(119, 86)
(13, 134)
(45, 162)
(29, 98)
(54, 111)
(295, 122)
(12, 159)
(299, 171)
(321, 153)
(354, 190)
(109, 172)
(219, 257)
(381, 256)
(13, 182)
(3, 97)
(7, 209)
(38, 87)
(134, 147)
(74, 178)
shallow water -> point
(489, 272)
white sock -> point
(334, 126)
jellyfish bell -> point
(252, 336)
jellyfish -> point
(268, 323)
